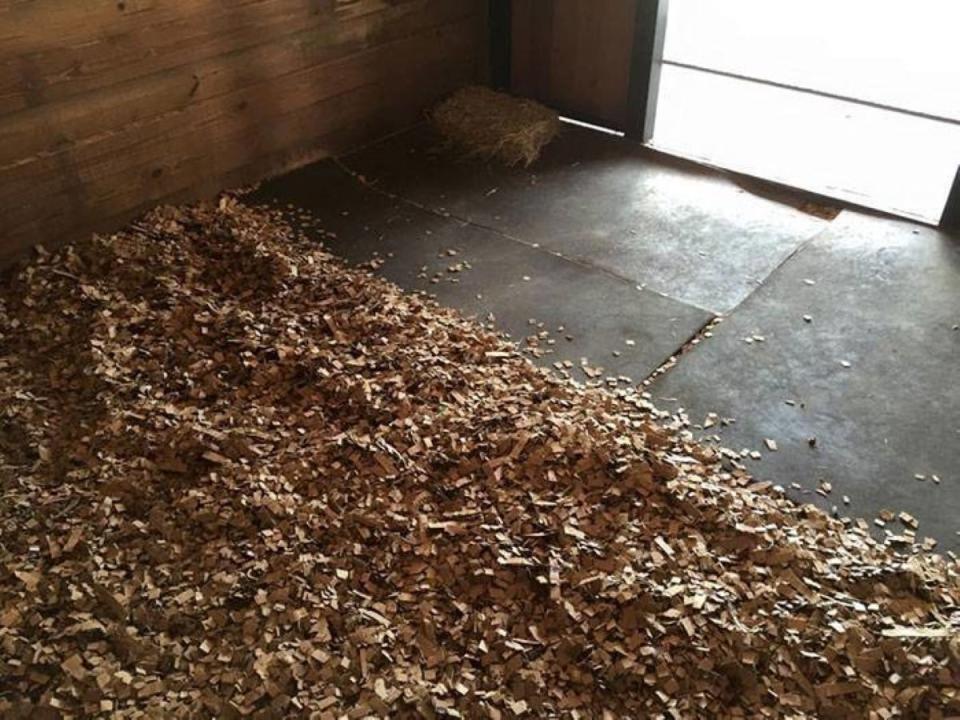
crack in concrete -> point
(669, 363)
(513, 238)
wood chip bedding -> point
(240, 479)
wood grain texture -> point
(108, 108)
(575, 55)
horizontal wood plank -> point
(326, 129)
(178, 111)
(252, 108)
(121, 52)
(46, 129)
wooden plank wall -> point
(575, 55)
(109, 107)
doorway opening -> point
(858, 100)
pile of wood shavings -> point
(242, 480)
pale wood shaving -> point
(240, 479)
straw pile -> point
(490, 125)
(239, 479)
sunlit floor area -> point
(893, 144)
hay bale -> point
(495, 126)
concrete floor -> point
(632, 254)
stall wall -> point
(575, 55)
(108, 108)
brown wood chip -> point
(240, 479)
